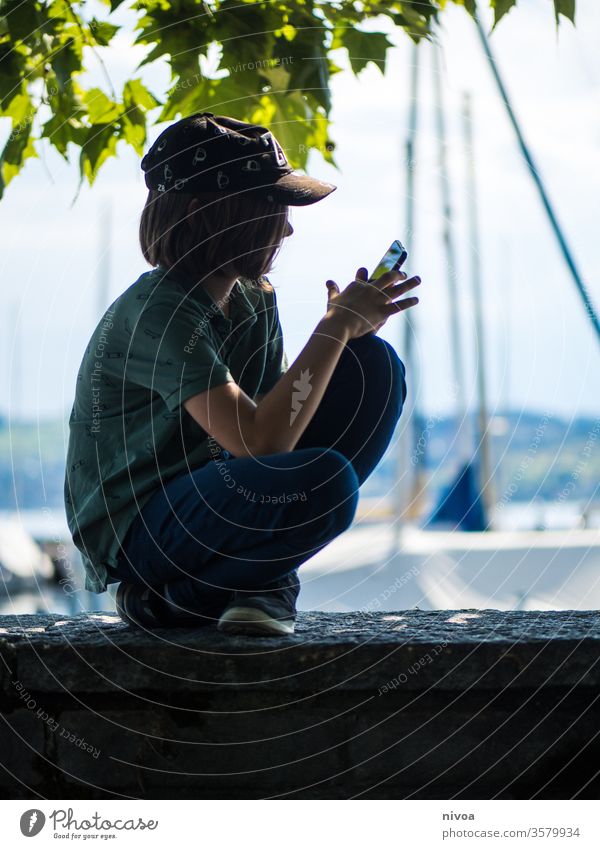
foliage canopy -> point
(274, 68)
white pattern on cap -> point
(269, 140)
(199, 155)
(222, 180)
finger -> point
(332, 286)
(400, 306)
(401, 288)
(389, 277)
(362, 274)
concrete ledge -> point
(436, 704)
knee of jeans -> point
(338, 493)
(388, 354)
(382, 352)
(385, 362)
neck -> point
(219, 287)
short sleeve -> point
(276, 361)
(173, 353)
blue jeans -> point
(242, 523)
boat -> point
(23, 564)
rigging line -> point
(564, 247)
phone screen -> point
(394, 258)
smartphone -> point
(394, 258)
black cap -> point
(206, 152)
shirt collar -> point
(243, 300)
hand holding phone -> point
(393, 259)
(365, 309)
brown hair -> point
(243, 229)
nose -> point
(289, 229)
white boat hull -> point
(373, 567)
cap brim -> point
(299, 190)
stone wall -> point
(439, 704)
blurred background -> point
(488, 495)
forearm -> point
(282, 415)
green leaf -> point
(136, 92)
(318, 138)
(134, 130)
(243, 31)
(566, 8)
(470, 5)
(416, 18)
(66, 61)
(102, 31)
(288, 116)
(362, 47)
(101, 110)
(305, 59)
(17, 150)
(12, 72)
(18, 108)
(113, 4)
(183, 37)
(136, 99)
(225, 96)
(67, 104)
(61, 131)
(501, 7)
(99, 144)
(180, 100)
(22, 18)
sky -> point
(539, 351)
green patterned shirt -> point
(156, 346)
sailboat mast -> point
(483, 447)
(14, 335)
(104, 258)
(451, 267)
(405, 471)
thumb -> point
(332, 288)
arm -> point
(278, 420)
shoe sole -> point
(191, 621)
(121, 608)
(120, 597)
(249, 620)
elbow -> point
(264, 444)
(253, 448)
(259, 440)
